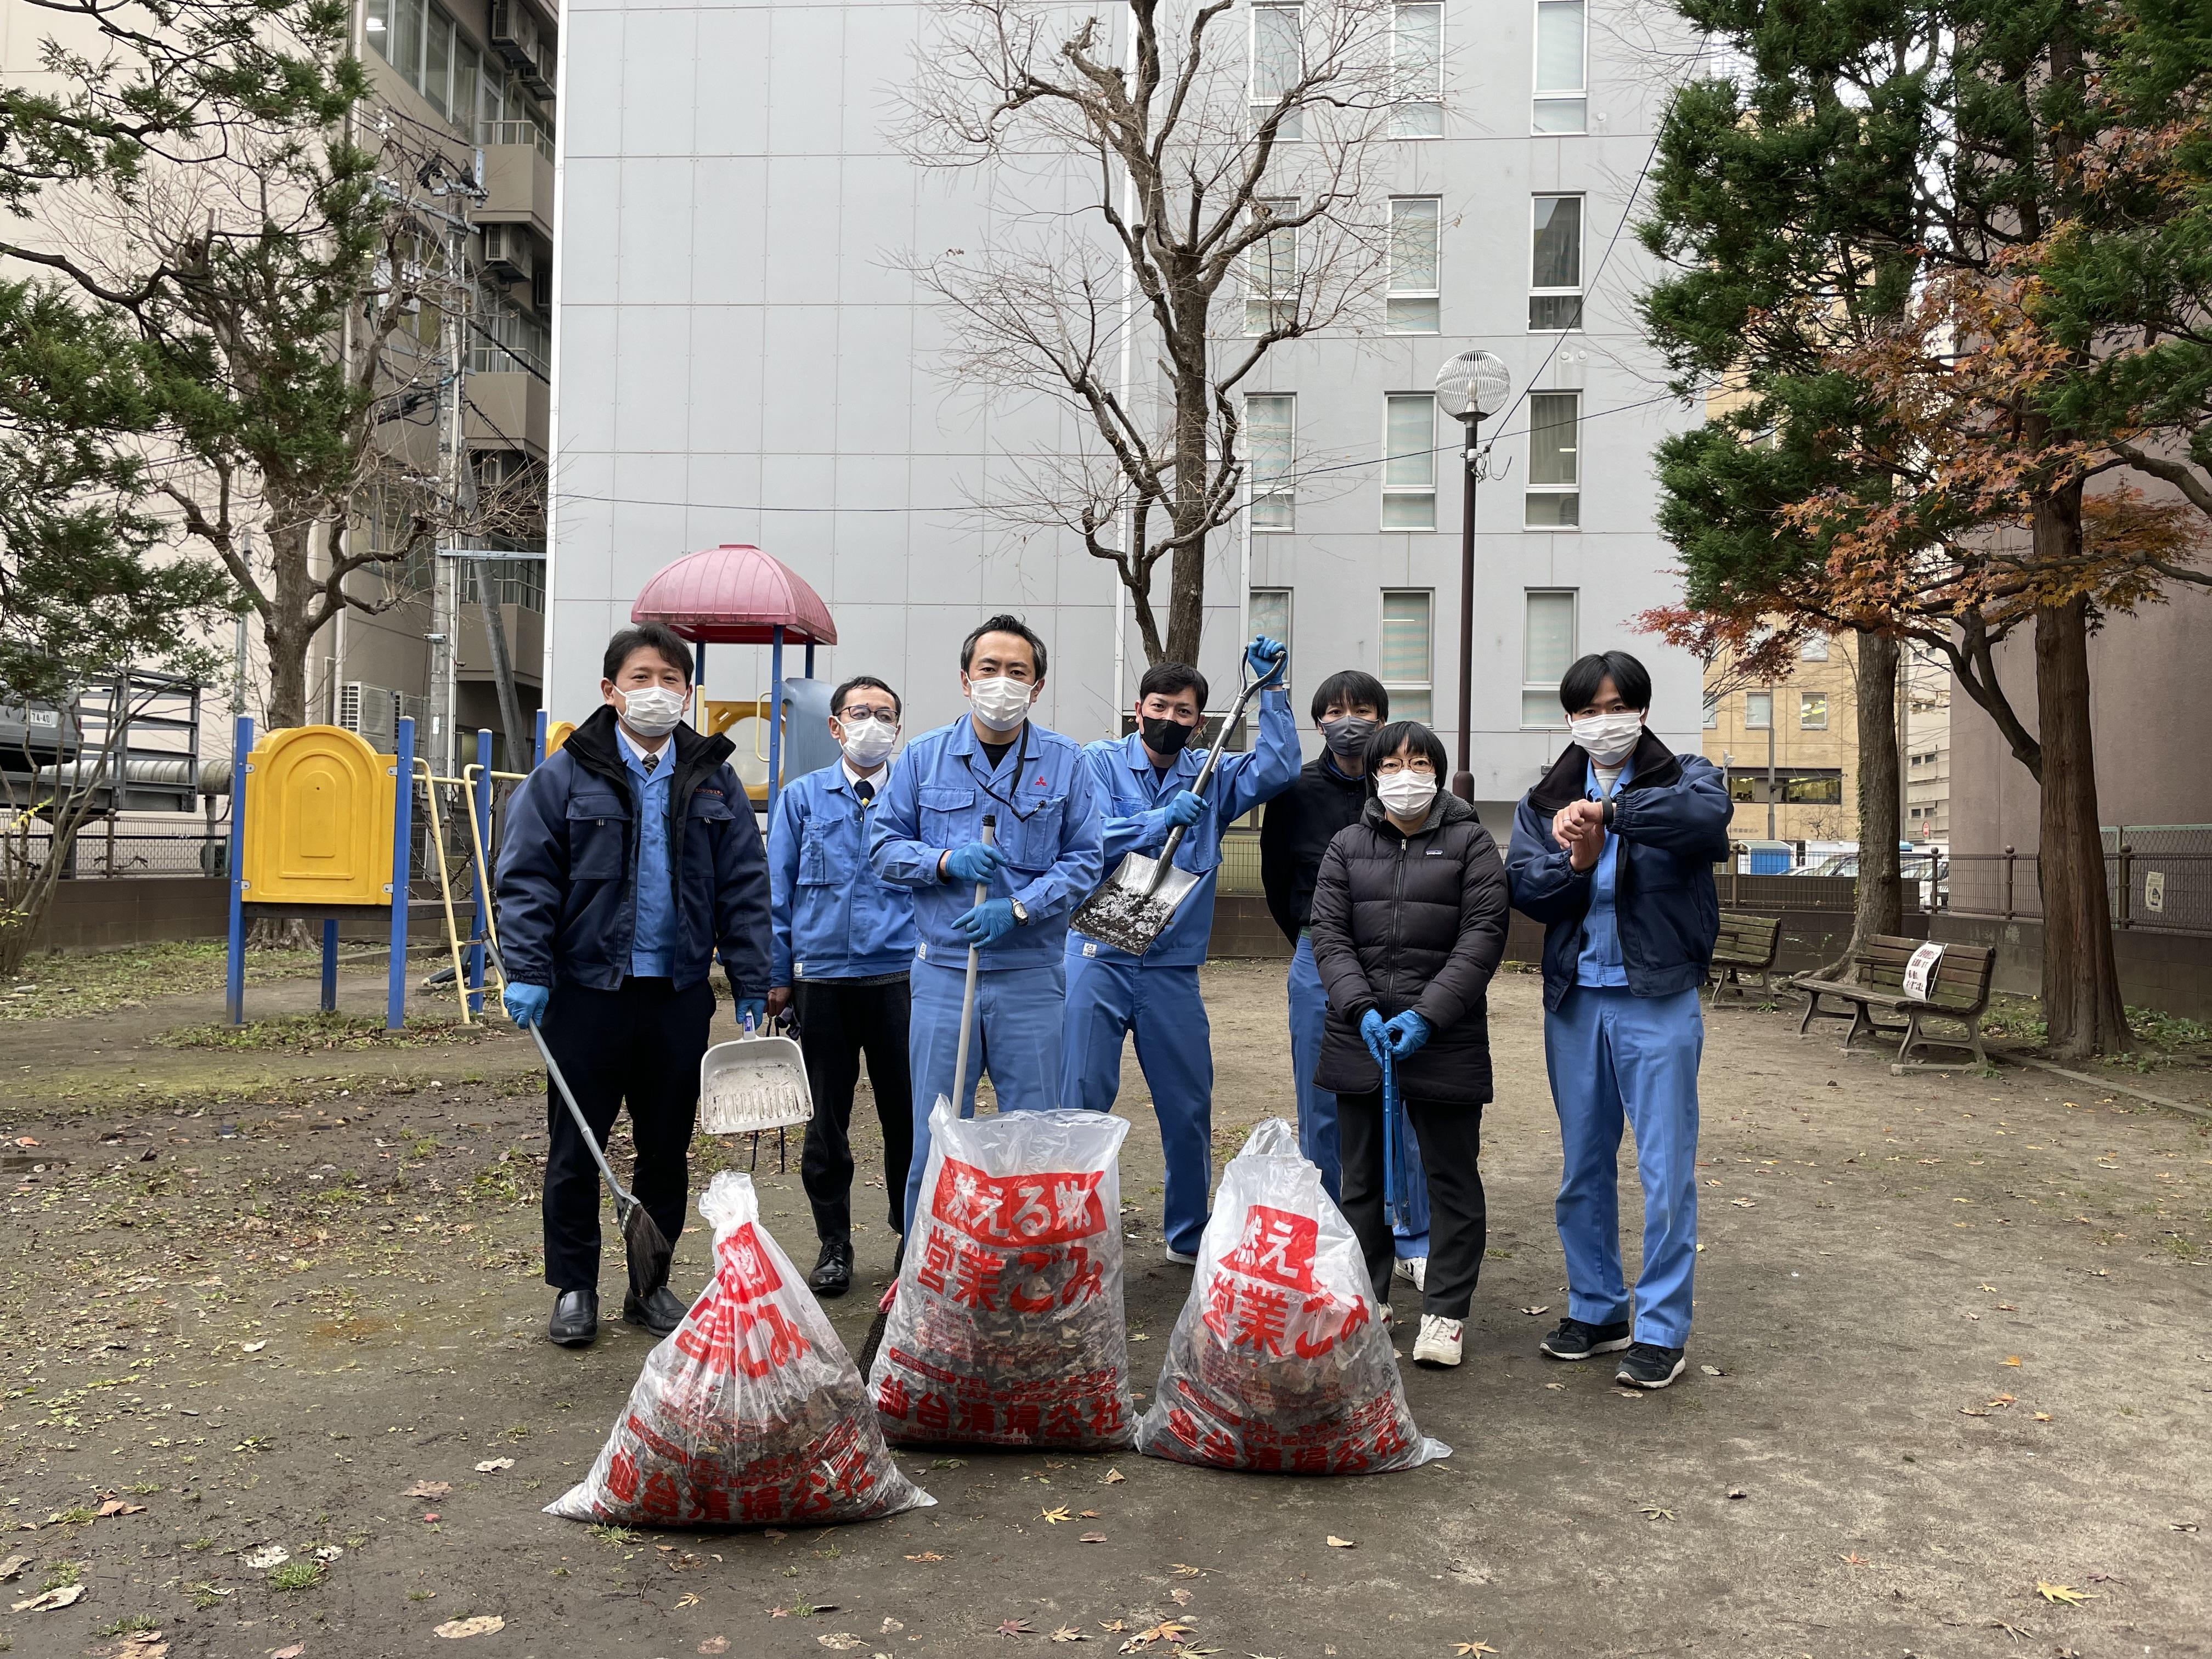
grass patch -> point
(318, 1033)
(295, 1576)
(70, 984)
(62, 1574)
(127, 1625)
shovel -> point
(646, 1247)
(1136, 904)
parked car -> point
(1928, 867)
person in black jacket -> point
(1295, 830)
(1408, 926)
(1614, 853)
(631, 859)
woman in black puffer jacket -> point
(1408, 925)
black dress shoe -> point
(575, 1319)
(660, 1313)
(833, 1274)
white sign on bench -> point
(1920, 971)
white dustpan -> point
(753, 1083)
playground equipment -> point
(735, 594)
(322, 828)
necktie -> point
(651, 762)
(865, 791)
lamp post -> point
(1470, 387)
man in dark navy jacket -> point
(1613, 852)
(631, 859)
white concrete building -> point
(737, 359)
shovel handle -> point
(1205, 777)
(968, 991)
(623, 1202)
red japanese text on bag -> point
(1280, 1360)
(1007, 1328)
(750, 1413)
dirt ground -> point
(1951, 1360)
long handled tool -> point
(1396, 1207)
(646, 1247)
(875, 1337)
(1135, 904)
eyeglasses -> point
(852, 714)
(1393, 764)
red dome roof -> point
(733, 595)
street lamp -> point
(1471, 387)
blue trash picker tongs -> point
(1396, 1208)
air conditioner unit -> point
(514, 34)
(509, 253)
(369, 711)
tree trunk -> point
(284, 629)
(1186, 570)
(2081, 1006)
(1880, 896)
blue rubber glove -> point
(1265, 659)
(1406, 1033)
(758, 1007)
(988, 923)
(526, 1004)
(1184, 807)
(973, 862)
(1371, 1032)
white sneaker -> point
(1438, 1343)
(1181, 1259)
(1415, 1270)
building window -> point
(1411, 306)
(1405, 657)
(1794, 786)
(1814, 647)
(1554, 494)
(1409, 461)
(1417, 48)
(1271, 270)
(1813, 711)
(1269, 423)
(1270, 614)
(1555, 278)
(420, 41)
(1547, 649)
(1279, 62)
(1758, 710)
(1562, 103)
(1713, 712)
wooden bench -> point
(1958, 990)
(1747, 945)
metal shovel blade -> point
(1135, 905)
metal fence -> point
(137, 853)
(2150, 890)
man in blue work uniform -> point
(1614, 853)
(844, 942)
(993, 762)
(1329, 793)
(1145, 786)
(629, 860)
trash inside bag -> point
(1279, 1359)
(1007, 1329)
(750, 1413)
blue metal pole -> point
(537, 744)
(234, 971)
(810, 659)
(480, 803)
(775, 717)
(403, 836)
(329, 964)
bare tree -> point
(1215, 188)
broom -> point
(644, 1245)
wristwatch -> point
(1605, 817)
(1021, 913)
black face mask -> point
(1347, 735)
(1165, 737)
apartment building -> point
(1789, 748)
(742, 358)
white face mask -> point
(651, 711)
(866, 741)
(1001, 704)
(1405, 794)
(1607, 739)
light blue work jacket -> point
(1135, 798)
(1047, 804)
(830, 916)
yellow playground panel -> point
(319, 811)
(750, 760)
(558, 733)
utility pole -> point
(1773, 719)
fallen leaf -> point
(1116, 1626)
(1069, 1633)
(1972, 1411)
(2012, 1359)
(927, 1555)
(1653, 1512)
(428, 1489)
(1112, 1478)
(268, 1556)
(327, 1552)
(2181, 1526)
(1092, 1537)
(1465, 1648)
(1180, 1597)
(1184, 1570)
(2104, 1579)
(773, 1536)
(12, 1565)
(1560, 1386)
(1086, 1515)
(1852, 1560)
(1016, 1627)
(1336, 1543)
(2003, 1400)
(1991, 1288)
(2042, 1417)
(890, 1626)
(483, 1624)
(1052, 1517)
(292, 1652)
(432, 1515)
(1745, 1203)
(1712, 1370)
(492, 1464)
(2062, 1593)
(842, 1641)
(52, 1599)
(1737, 1491)
(715, 1644)
(689, 1599)
(1532, 1312)
(253, 1347)
(117, 1506)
